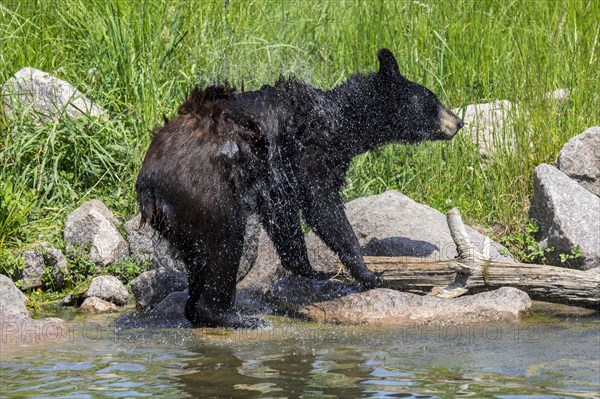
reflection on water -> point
(294, 359)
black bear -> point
(281, 152)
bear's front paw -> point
(370, 280)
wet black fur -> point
(282, 152)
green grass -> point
(138, 59)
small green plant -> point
(81, 265)
(524, 245)
(80, 289)
(127, 269)
(35, 298)
(48, 278)
(38, 301)
(570, 257)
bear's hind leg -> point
(212, 280)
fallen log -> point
(472, 272)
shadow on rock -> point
(398, 246)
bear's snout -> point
(450, 124)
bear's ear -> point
(388, 65)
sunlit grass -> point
(138, 59)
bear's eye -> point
(423, 102)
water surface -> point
(546, 356)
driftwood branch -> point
(474, 272)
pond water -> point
(546, 356)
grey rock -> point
(146, 244)
(151, 287)
(47, 96)
(569, 216)
(93, 224)
(108, 288)
(12, 302)
(96, 305)
(36, 261)
(389, 307)
(490, 125)
(580, 159)
(31, 275)
(16, 327)
(392, 224)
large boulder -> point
(16, 327)
(108, 288)
(36, 262)
(569, 216)
(340, 302)
(93, 225)
(47, 96)
(490, 125)
(151, 287)
(390, 307)
(580, 159)
(392, 224)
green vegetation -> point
(525, 247)
(571, 257)
(138, 59)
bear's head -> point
(412, 112)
